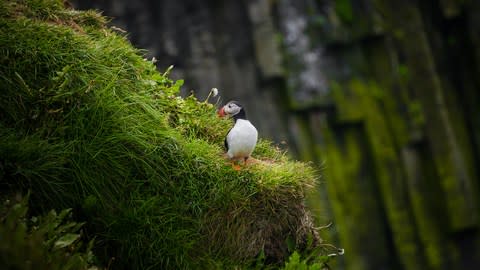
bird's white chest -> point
(241, 139)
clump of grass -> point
(86, 123)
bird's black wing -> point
(225, 142)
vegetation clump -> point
(47, 242)
(87, 123)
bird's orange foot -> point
(236, 167)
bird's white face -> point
(231, 108)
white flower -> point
(214, 92)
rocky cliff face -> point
(384, 93)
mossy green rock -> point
(87, 123)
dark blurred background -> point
(382, 95)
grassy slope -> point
(86, 122)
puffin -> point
(242, 138)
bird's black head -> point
(233, 109)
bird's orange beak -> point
(221, 112)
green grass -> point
(87, 123)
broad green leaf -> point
(66, 240)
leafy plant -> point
(52, 241)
